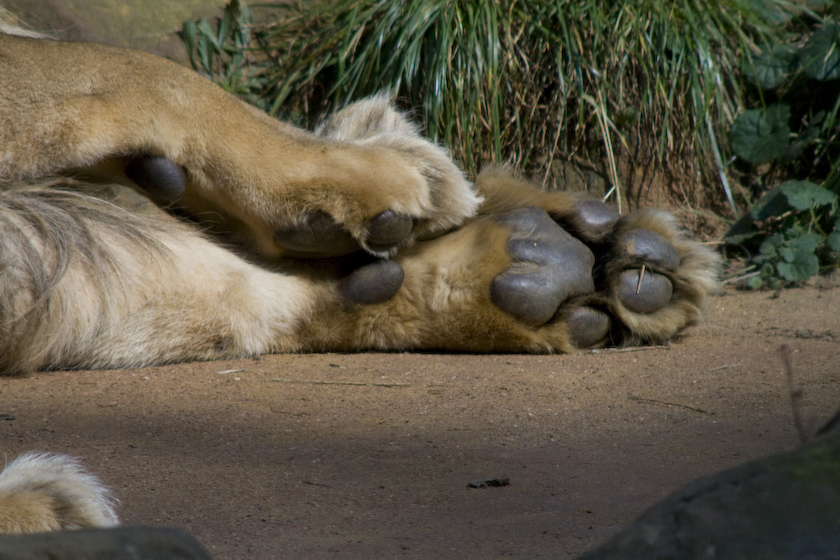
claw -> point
(318, 237)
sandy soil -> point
(369, 455)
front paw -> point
(410, 188)
(517, 281)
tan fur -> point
(45, 492)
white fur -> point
(78, 498)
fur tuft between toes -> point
(49, 492)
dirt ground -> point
(369, 455)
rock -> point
(785, 506)
(121, 543)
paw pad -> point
(588, 326)
(388, 229)
(598, 218)
(376, 282)
(318, 236)
(651, 247)
(548, 266)
(162, 178)
(644, 291)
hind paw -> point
(640, 282)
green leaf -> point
(754, 282)
(799, 262)
(770, 246)
(773, 11)
(775, 283)
(806, 137)
(773, 203)
(802, 267)
(833, 241)
(225, 25)
(205, 55)
(803, 195)
(740, 233)
(788, 254)
(807, 242)
(820, 57)
(206, 31)
(770, 68)
(761, 135)
(188, 37)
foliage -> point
(793, 231)
(796, 229)
(221, 54)
(526, 81)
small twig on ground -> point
(286, 412)
(309, 482)
(795, 393)
(727, 366)
(654, 401)
(631, 349)
(739, 278)
(354, 383)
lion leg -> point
(118, 115)
(43, 492)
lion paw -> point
(427, 196)
(639, 283)
(365, 180)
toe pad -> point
(388, 229)
(318, 236)
(644, 291)
(159, 176)
(588, 326)
(596, 216)
(373, 283)
(651, 247)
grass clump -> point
(523, 81)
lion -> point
(149, 217)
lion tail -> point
(47, 492)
